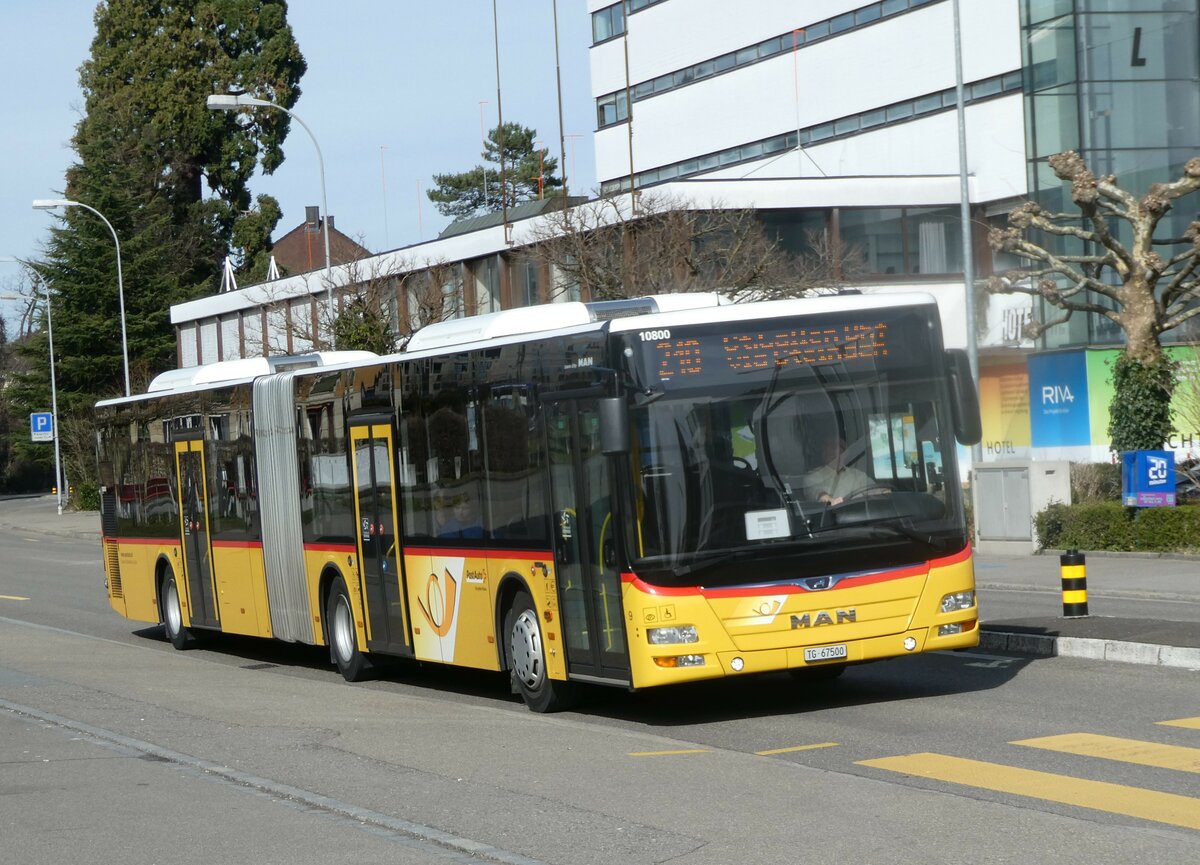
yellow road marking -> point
(1137, 802)
(669, 753)
(1122, 750)
(796, 748)
(1190, 723)
(12, 598)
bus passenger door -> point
(376, 518)
(194, 539)
(589, 587)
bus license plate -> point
(825, 653)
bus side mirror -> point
(614, 426)
(964, 398)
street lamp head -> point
(232, 102)
(50, 203)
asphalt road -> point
(114, 747)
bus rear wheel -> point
(527, 660)
(343, 636)
(172, 612)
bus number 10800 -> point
(655, 335)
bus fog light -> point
(736, 665)
(949, 630)
(910, 643)
(676, 634)
(958, 601)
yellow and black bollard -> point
(1074, 584)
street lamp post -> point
(51, 204)
(236, 102)
(58, 478)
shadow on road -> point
(765, 695)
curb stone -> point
(1093, 649)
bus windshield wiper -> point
(702, 562)
(887, 525)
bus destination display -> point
(674, 359)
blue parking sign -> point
(41, 426)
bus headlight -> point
(676, 634)
(958, 601)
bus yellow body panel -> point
(451, 601)
(316, 561)
(138, 598)
(884, 615)
(241, 589)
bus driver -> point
(834, 480)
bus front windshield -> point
(820, 467)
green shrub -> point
(1097, 526)
(1049, 526)
(1110, 526)
(1167, 529)
(86, 497)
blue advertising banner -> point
(1058, 400)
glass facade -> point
(1119, 82)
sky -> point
(392, 95)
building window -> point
(486, 277)
(852, 124)
(608, 22)
(896, 241)
(613, 108)
(877, 235)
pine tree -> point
(528, 172)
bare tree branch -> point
(1139, 308)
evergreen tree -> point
(145, 146)
(478, 190)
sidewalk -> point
(1145, 609)
(39, 514)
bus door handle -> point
(609, 554)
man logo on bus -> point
(823, 617)
(438, 605)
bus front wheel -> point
(527, 659)
(343, 636)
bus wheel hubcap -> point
(343, 630)
(526, 644)
(174, 617)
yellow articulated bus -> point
(631, 493)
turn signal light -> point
(680, 661)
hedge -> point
(1111, 526)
